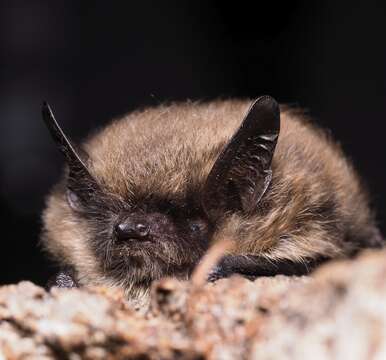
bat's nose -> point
(131, 229)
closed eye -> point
(73, 200)
(198, 225)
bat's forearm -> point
(252, 267)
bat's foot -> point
(63, 279)
(219, 272)
(234, 265)
(216, 274)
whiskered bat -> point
(146, 196)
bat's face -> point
(142, 239)
(143, 199)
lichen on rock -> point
(339, 312)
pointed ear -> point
(242, 173)
(76, 160)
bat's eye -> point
(197, 226)
(73, 200)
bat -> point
(147, 195)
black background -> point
(94, 60)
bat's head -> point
(143, 198)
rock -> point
(339, 312)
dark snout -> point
(132, 227)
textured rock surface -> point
(338, 313)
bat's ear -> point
(76, 159)
(242, 173)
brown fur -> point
(315, 205)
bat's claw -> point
(63, 279)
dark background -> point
(94, 60)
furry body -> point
(155, 163)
